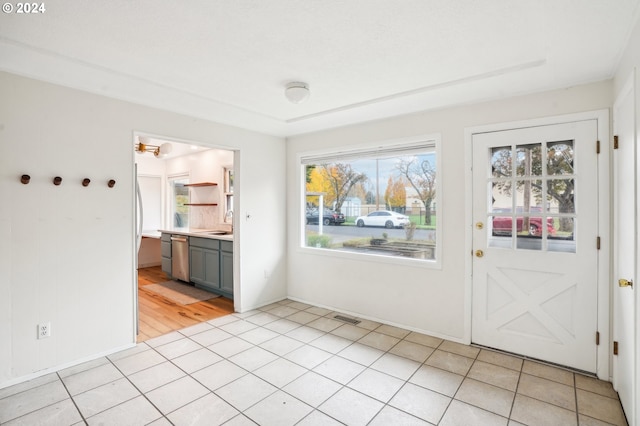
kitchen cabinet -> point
(165, 250)
(212, 265)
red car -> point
(502, 225)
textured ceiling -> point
(228, 60)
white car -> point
(385, 218)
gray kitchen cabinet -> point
(165, 249)
(226, 266)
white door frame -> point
(603, 370)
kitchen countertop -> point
(200, 233)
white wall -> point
(66, 253)
(427, 300)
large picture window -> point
(380, 202)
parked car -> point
(385, 218)
(502, 225)
(329, 217)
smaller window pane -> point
(528, 159)
(560, 194)
(560, 158)
(529, 196)
(501, 200)
(501, 162)
(562, 239)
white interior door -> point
(535, 213)
(625, 255)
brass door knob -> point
(625, 283)
(479, 253)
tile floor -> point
(294, 364)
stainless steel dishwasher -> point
(180, 257)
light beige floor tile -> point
(262, 319)
(33, 383)
(217, 322)
(548, 372)
(176, 394)
(451, 362)
(258, 335)
(392, 331)
(210, 337)
(532, 412)
(600, 407)
(362, 354)
(89, 379)
(460, 413)
(156, 376)
(392, 416)
(195, 329)
(210, 410)
(280, 372)
(594, 385)
(503, 360)
(424, 339)
(162, 421)
(178, 348)
(303, 317)
(136, 411)
(318, 418)
(140, 347)
(238, 327)
(270, 306)
(350, 332)
(281, 345)
(460, 349)
(19, 404)
(339, 369)
(78, 368)
(253, 358)
(377, 385)
(494, 375)
(60, 413)
(312, 388)
(299, 305)
(230, 347)
(412, 351)
(318, 311)
(351, 407)
(278, 409)
(548, 391)
(368, 324)
(245, 391)
(590, 421)
(396, 366)
(139, 361)
(421, 402)
(488, 397)
(331, 343)
(196, 360)
(437, 380)
(240, 420)
(164, 339)
(308, 356)
(219, 374)
(305, 334)
(379, 341)
(324, 324)
(283, 311)
(282, 326)
(247, 314)
(104, 397)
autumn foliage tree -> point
(395, 196)
(421, 175)
(335, 180)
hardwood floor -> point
(159, 315)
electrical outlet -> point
(44, 330)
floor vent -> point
(347, 319)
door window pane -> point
(560, 158)
(560, 195)
(501, 162)
(528, 160)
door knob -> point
(479, 225)
(479, 253)
(625, 283)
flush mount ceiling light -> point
(158, 150)
(297, 92)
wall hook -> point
(57, 180)
(86, 182)
(111, 183)
(25, 179)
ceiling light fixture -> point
(297, 92)
(158, 150)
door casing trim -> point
(603, 355)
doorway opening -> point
(172, 198)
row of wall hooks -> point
(25, 179)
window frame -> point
(408, 144)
